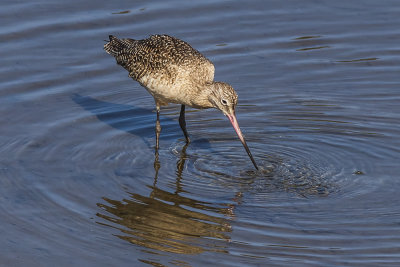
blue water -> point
(318, 85)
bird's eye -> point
(224, 102)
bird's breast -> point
(175, 85)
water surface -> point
(318, 87)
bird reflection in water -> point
(167, 221)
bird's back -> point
(160, 57)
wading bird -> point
(174, 72)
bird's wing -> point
(160, 54)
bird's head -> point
(223, 97)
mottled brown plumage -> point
(174, 72)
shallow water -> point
(318, 87)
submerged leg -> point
(182, 123)
(158, 128)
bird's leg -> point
(182, 123)
(158, 128)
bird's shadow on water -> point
(135, 120)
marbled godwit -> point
(174, 72)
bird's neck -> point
(203, 99)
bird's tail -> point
(115, 45)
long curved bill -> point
(235, 125)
